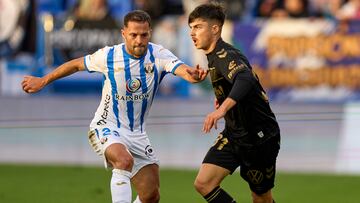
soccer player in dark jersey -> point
(251, 138)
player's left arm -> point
(241, 87)
(193, 75)
(212, 118)
(242, 79)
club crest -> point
(149, 67)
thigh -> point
(146, 180)
(211, 175)
(118, 156)
(113, 145)
(258, 166)
(143, 153)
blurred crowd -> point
(36, 35)
(331, 9)
(109, 13)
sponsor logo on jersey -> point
(149, 67)
(134, 97)
(255, 176)
(234, 69)
(232, 65)
(121, 183)
(132, 85)
(105, 113)
(149, 151)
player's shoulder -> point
(227, 51)
(157, 48)
(158, 51)
(231, 55)
(107, 49)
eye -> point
(196, 27)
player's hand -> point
(216, 104)
(211, 120)
(32, 84)
(197, 73)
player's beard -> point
(139, 50)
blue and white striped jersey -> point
(129, 84)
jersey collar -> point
(219, 45)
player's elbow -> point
(78, 64)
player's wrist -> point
(45, 81)
(222, 109)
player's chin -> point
(139, 51)
(198, 46)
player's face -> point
(201, 34)
(136, 37)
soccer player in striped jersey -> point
(133, 71)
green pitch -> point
(55, 184)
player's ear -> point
(216, 28)
(122, 33)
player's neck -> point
(212, 44)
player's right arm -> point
(32, 84)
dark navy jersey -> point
(251, 121)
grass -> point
(67, 184)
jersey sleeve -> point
(233, 65)
(96, 62)
(168, 61)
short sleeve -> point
(96, 62)
(168, 60)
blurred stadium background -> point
(306, 52)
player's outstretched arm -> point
(32, 84)
(190, 74)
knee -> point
(125, 163)
(152, 196)
(119, 157)
(262, 198)
(202, 186)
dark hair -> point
(209, 11)
(137, 16)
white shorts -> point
(138, 145)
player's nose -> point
(192, 33)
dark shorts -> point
(257, 163)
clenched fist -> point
(32, 84)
